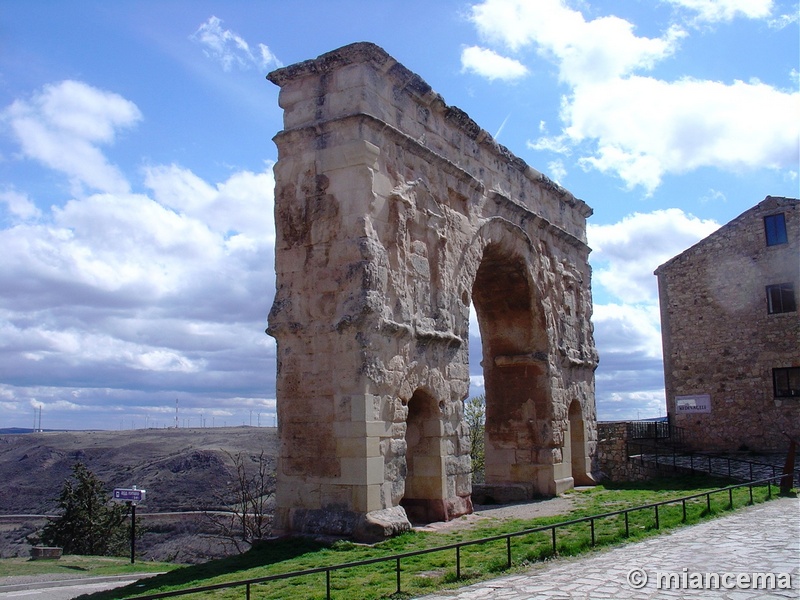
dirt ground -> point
(524, 510)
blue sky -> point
(136, 228)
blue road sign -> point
(126, 495)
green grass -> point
(429, 572)
(85, 565)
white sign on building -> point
(700, 403)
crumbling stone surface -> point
(394, 212)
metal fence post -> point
(398, 574)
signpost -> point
(125, 495)
(131, 497)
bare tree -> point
(248, 517)
(475, 415)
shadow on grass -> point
(263, 554)
(677, 483)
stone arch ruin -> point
(394, 212)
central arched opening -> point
(515, 368)
(426, 479)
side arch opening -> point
(426, 478)
(575, 451)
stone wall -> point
(612, 462)
(721, 343)
(394, 212)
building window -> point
(775, 228)
(780, 298)
(786, 382)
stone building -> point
(394, 212)
(731, 332)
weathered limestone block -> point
(380, 524)
(394, 213)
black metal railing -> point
(397, 559)
(656, 432)
(702, 462)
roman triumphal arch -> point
(394, 212)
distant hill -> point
(181, 469)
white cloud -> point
(629, 330)
(625, 406)
(185, 192)
(560, 144)
(625, 254)
(726, 10)
(81, 349)
(627, 325)
(491, 65)
(124, 293)
(556, 170)
(713, 196)
(644, 127)
(62, 127)
(638, 127)
(585, 51)
(629, 381)
(19, 205)
(230, 49)
(268, 59)
(129, 293)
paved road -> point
(66, 589)
(758, 539)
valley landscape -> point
(184, 471)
